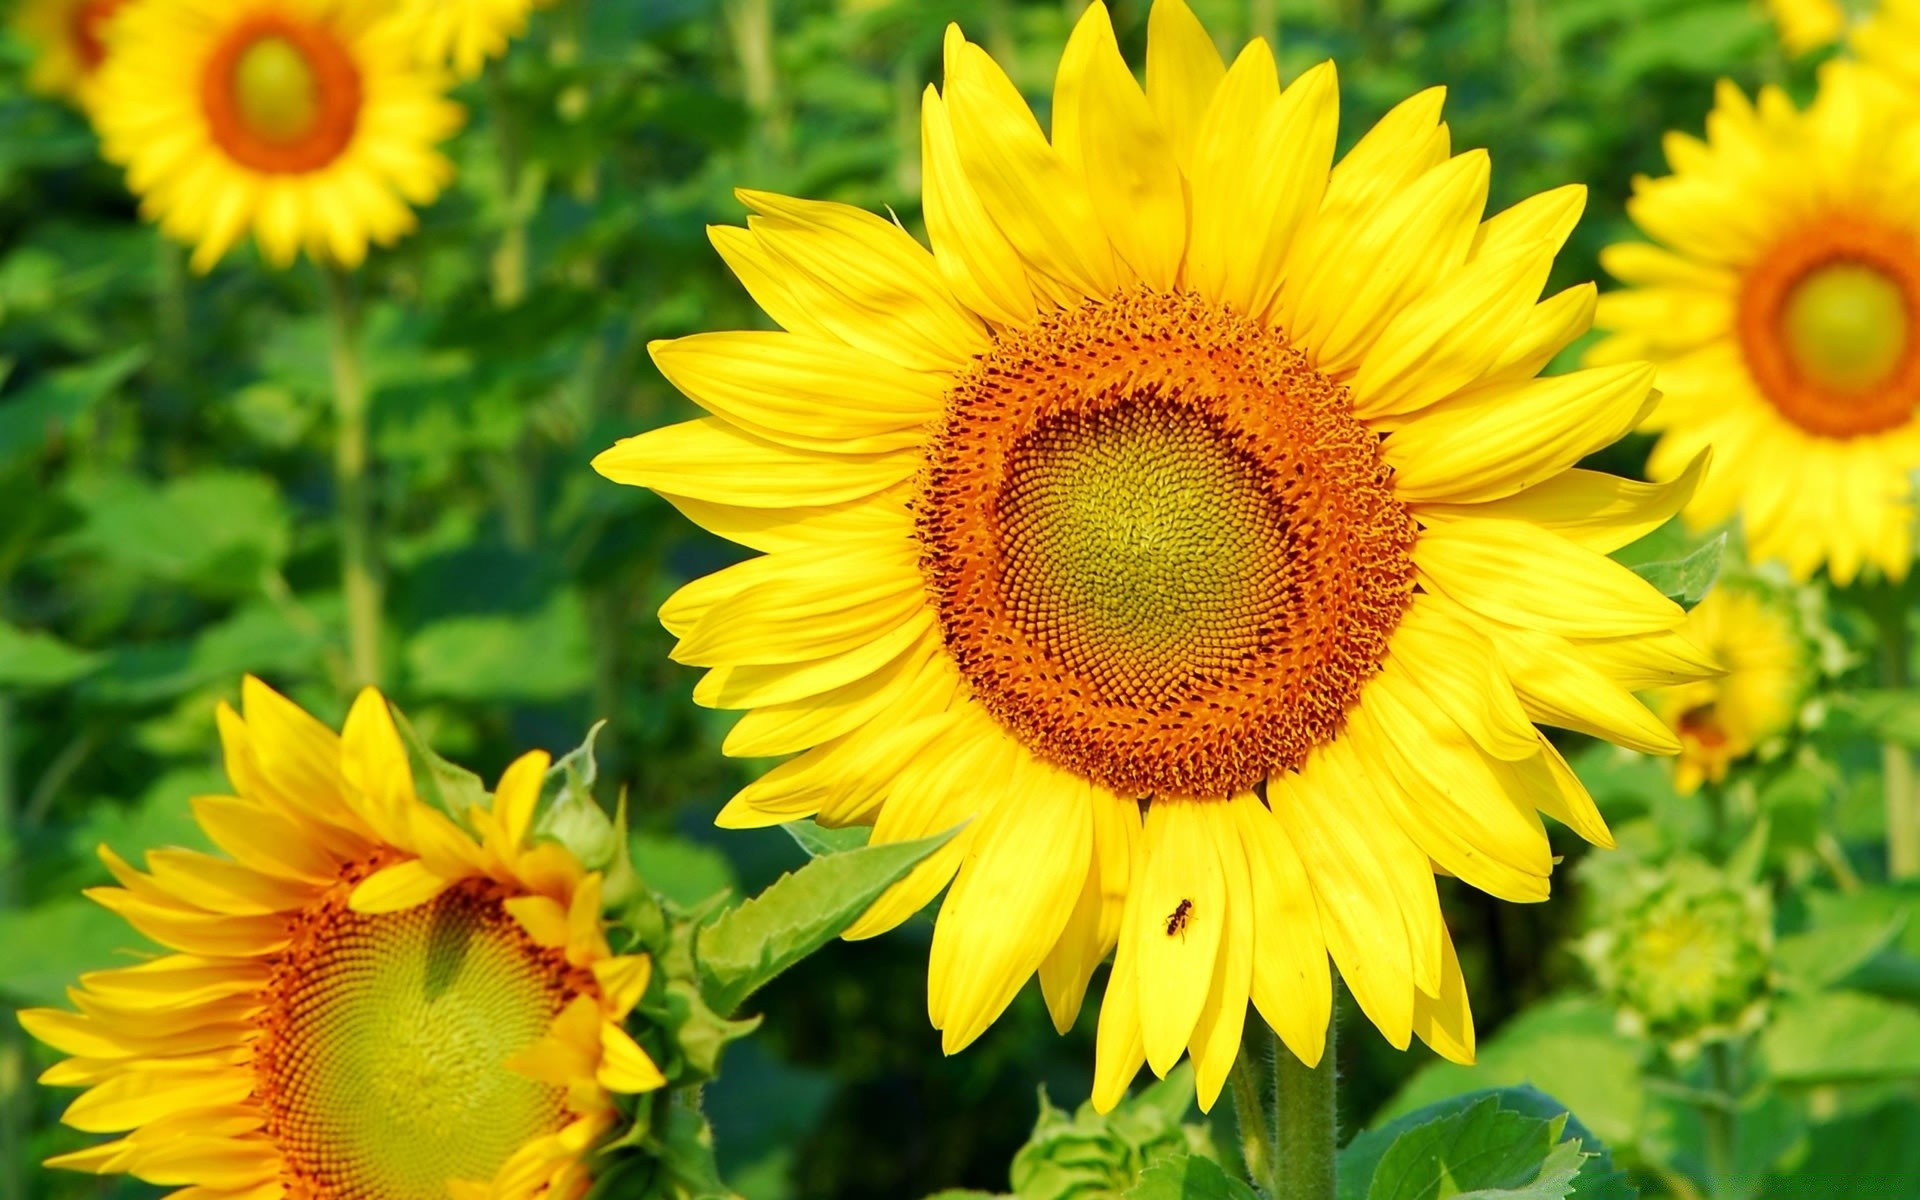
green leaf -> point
(261, 639)
(1882, 714)
(1837, 1036)
(1483, 1151)
(1188, 1177)
(1597, 1180)
(1819, 958)
(449, 787)
(1685, 581)
(539, 656)
(817, 840)
(798, 914)
(31, 660)
(684, 872)
(1567, 1048)
(1870, 1156)
(50, 405)
(43, 949)
(217, 529)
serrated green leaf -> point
(818, 840)
(1188, 1177)
(1485, 1151)
(798, 914)
(31, 660)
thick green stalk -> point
(1307, 1120)
(1718, 1118)
(1896, 761)
(360, 584)
(15, 1095)
(1252, 1084)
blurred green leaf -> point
(45, 948)
(684, 872)
(217, 528)
(798, 914)
(260, 640)
(31, 660)
(1861, 1156)
(1483, 1150)
(1834, 1036)
(543, 655)
(1884, 715)
(46, 408)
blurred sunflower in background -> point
(69, 41)
(1808, 25)
(368, 998)
(1754, 635)
(309, 123)
(1782, 305)
(1889, 40)
(461, 35)
(1189, 524)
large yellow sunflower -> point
(1754, 636)
(1781, 306)
(1189, 524)
(309, 123)
(370, 1002)
(69, 44)
(464, 34)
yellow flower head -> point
(1808, 25)
(462, 35)
(1188, 468)
(369, 998)
(309, 123)
(1781, 305)
(69, 41)
(1726, 718)
(1889, 41)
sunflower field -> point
(952, 599)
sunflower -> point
(369, 1000)
(1808, 25)
(1889, 40)
(1718, 721)
(309, 123)
(464, 34)
(69, 42)
(1781, 307)
(1187, 525)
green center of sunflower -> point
(1846, 327)
(275, 90)
(383, 1060)
(1164, 552)
(1139, 546)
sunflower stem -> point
(1896, 761)
(1307, 1122)
(1718, 1120)
(1253, 1083)
(359, 578)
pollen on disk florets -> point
(1163, 550)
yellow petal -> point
(1523, 575)
(1590, 509)
(1292, 985)
(810, 612)
(518, 794)
(398, 888)
(1177, 925)
(1216, 1035)
(1444, 1020)
(1511, 437)
(1183, 71)
(866, 280)
(1094, 928)
(709, 459)
(1455, 666)
(1010, 901)
(976, 259)
(803, 392)
(622, 981)
(624, 1066)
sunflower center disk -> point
(1164, 552)
(1827, 323)
(282, 97)
(275, 90)
(382, 1062)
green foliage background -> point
(168, 518)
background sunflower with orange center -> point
(310, 124)
(69, 40)
(1782, 303)
(368, 1000)
(1189, 525)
